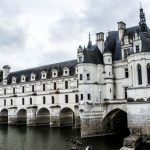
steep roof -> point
(113, 44)
(92, 55)
(47, 68)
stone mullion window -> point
(139, 71)
(148, 73)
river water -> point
(45, 138)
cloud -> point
(39, 32)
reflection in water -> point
(45, 138)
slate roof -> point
(92, 54)
(113, 45)
(47, 68)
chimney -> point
(100, 41)
(121, 29)
(6, 70)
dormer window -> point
(80, 59)
(5, 82)
(32, 77)
(54, 73)
(43, 75)
(66, 71)
(23, 78)
(13, 79)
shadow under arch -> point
(116, 122)
(4, 116)
(67, 117)
(43, 117)
(22, 117)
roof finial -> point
(140, 4)
(89, 37)
(89, 43)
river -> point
(45, 138)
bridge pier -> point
(138, 118)
(31, 116)
(12, 116)
(55, 116)
(91, 121)
(77, 121)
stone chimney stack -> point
(100, 41)
(6, 70)
(121, 29)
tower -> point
(142, 22)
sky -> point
(40, 32)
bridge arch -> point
(115, 122)
(67, 117)
(22, 116)
(43, 116)
(4, 116)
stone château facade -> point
(106, 79)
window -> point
(125, 92)
(4, 102)
(54, 73)
(89, 97)
(32, 77)
(22, 101)
(108, 59)
(43, 87)
(14, 91)
(66, 84)
(126, 53)
(80, 59)
(66, 98)
(4, 91)
(44, 100)
(55, 86)
(126, 73)
(53, 100)
(32, 88)
(137, 48)
(76, 98)
(43, 75)
(13, 79)
(11, 102)
(139, 74)
(109, 73)
(30, 101)
(81, 77)
(23, 78)
(88, 76)
(110, 90)
(148, 73)
(66, 71)
(81, 96)
(23, 89)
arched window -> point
(148, 73)
(139, 71)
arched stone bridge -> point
(55, 116)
